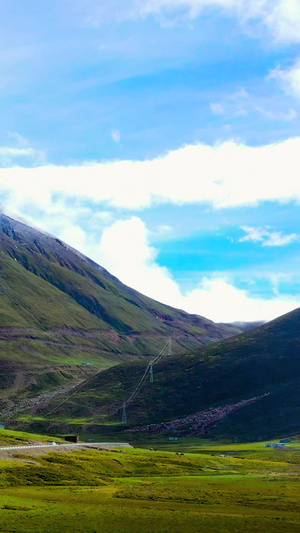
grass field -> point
(225, 488)
(154, 507)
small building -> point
(71, 438)
(285, 441)
(173, 438)
(275, 445)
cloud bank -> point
(124, 250)
(227, 175)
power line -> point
(149, 369)
(151, 374)
(140, 383)
(77, 389)
(124, 415)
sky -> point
(160, 138)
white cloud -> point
(10, 155)
(280, 17)
(73, 235)
(291, 114)
(22, 150)
(116, 135)
(125, 251)
(221, 301)
(217, 109)
(163, 229)
(241, 104)
(19, 139)
(267, 237)
(10, 152)
(289, 78)
(223, 176)
(240, 101)
(103, 216)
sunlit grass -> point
(142, 490)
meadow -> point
(216, 487)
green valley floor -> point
(216, 489)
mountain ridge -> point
(58, 307)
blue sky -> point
(161, 138)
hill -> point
(246, 387)
(59, 309)
(242, 326)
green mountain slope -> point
(57, 307)
(262, 366)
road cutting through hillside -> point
(60, 445)
(31, 452)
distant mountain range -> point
(59, 309)
(242, 326)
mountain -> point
(59, 309)
(242, 326)
(246, 387)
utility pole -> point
(167, 348)
(124, 415)
(151, 374)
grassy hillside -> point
(48, 285)
(262, 366)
